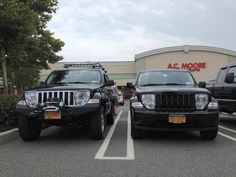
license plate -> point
(177, 119)
(52, 114)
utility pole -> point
(4, 69)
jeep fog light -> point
(21, 102)
(93, 101)
(136, 105)
(213, 106)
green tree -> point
(25, 40)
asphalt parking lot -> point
(69, 151)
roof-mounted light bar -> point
(85, 65)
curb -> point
(8, 135)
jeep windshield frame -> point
(61, 77)
(165, 78)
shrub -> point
(7, 109)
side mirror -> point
(41, 83)
(110, 83)
(130, 85)
(229, 78)
(202, 84)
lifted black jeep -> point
(172, 100)
(77, 94)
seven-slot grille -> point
(175, 102)
(66, 96)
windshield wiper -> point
(150, 84)
(174, 84)
(58, 83)
(62, 83)
(163, 84)
(78, 83)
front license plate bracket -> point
(177, 119)
(52, 114)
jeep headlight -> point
(81, 97)
(31, 98)
(201, 100)
(149, 101)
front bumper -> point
(153, 120)
(227, 105)
(66, 112)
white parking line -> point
(130, 143)
(234, 131)
(227, 136)
(103, 148)
(122, 120)
(9, 132)
(130, 147)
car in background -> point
(172, 100)
(120, 98)
(224, 88)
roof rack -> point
(85, 65)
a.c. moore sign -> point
(188, 66)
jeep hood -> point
(67, 87)
(175, 89)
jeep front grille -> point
(66, 96)
(175, 102)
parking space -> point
(69, 151)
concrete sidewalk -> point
(8, 135)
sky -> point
(116, 30)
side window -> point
(233, 70)
(221, 75)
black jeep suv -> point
(172, 100)
(77, 94)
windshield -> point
(74, 76)
(165, 78)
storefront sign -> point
(187, 66)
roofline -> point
(186, 49)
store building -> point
(203, 61)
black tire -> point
(209, 135)
(135, 133)
(111, 117)
(29, 128)
(98, 124)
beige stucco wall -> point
(125, 71)
(119, 67)
(213, 62)
(140, 65)
(122, 71)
